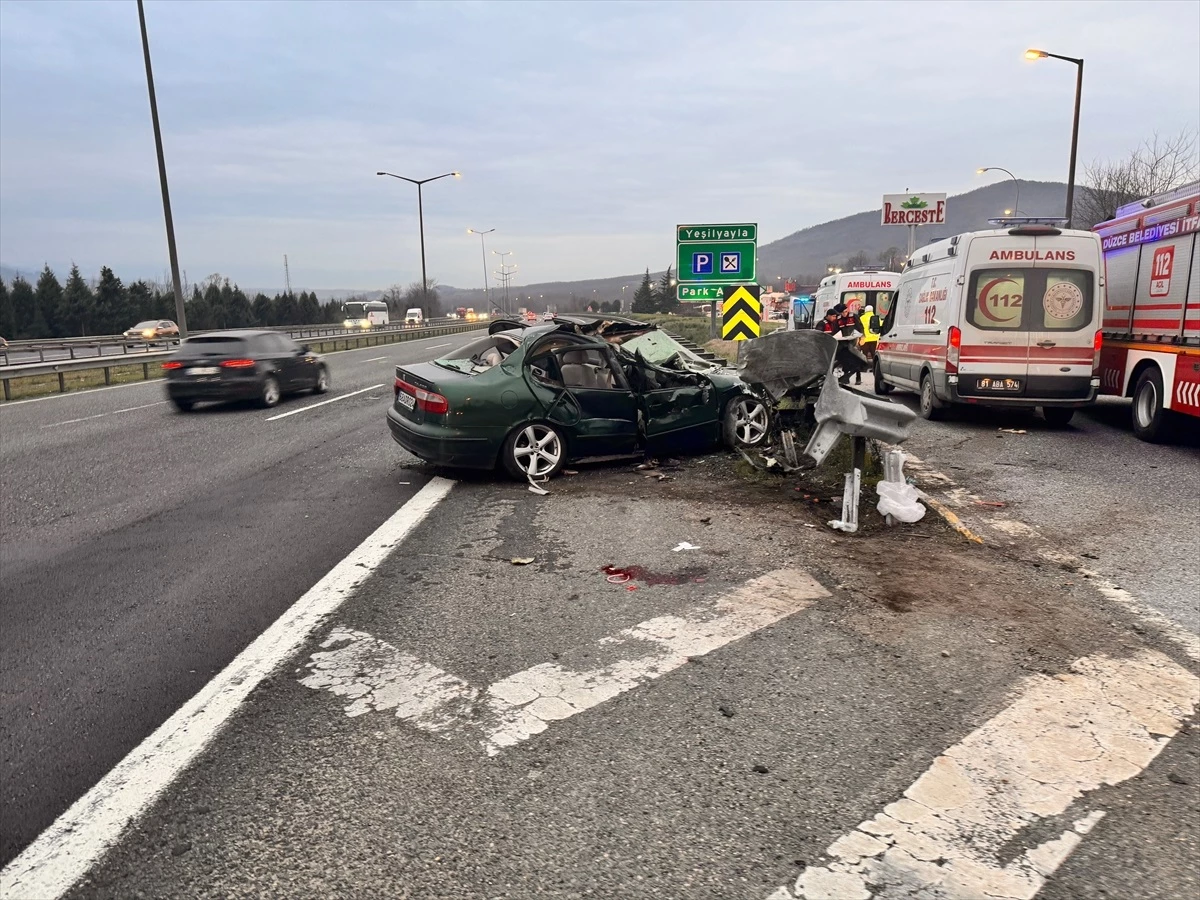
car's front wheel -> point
(321, 385)
(747, 422)
(183, 405)
(536, 452)
(269, 393)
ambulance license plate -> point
(998, 384)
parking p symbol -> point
(702, 263)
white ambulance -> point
(857, 290)
(1009, 317)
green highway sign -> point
(715, 255)
(716, 233)
(716, 262)
(699, 293)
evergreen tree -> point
(310, 309)
(237, 310)
(111, 314)
(664, 293)
(50, 301)
(7, 321)
(643, 297)
(27, 317)
(78, 304)
(140, 302)
(264, 312)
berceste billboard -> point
(914, 209)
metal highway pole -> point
(180, 312)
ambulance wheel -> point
(1057, 416)
(931, 407)
(1151, 420)
(882, 388)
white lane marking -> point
(65, 851)
(439, 346)
(102, 415)
(1064, 736)
(377, 676)
(293, 412)
(378, 358)
(112, 387)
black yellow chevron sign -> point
(741, 317)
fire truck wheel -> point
(1151, 421)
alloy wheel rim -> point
(322, 380)
(537, 451)
(750, 422)
(271, 391)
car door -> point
(681, 409)
(582, 392)
(288, 360)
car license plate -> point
(204, 370)
(998, 384)
(408, 401)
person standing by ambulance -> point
(869, 325)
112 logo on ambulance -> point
(1160, 271)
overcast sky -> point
(584, 131)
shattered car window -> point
(481, 355)
(661, 349)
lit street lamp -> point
(483, 252)
(421, 220)
(1042, 54)
(1017, 201)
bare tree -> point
(1158, 164)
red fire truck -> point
(1151, 319)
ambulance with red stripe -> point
(1008, 317)
(1152, 316)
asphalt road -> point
(1092, 487)
(723, 769)
(142, 549)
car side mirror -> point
(304, 348)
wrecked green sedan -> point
(537, 397)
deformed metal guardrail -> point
(338, 339)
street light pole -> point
(487, 297)
(180, 309)
(421, 222)
(1017, 201)
(503, 266)
(1042, 54)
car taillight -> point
(955, 344)
(172, 364)
(237, 364)
(1097, 346)
(426, 400)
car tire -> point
(535, 451)
(269, 392)
(931, 408)
(1151, 419)
(882, 388)
(746, 422)
(183, 405)
(321, 385)
(1058, 416)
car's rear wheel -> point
(747, 422)
(536, 452)
(882, 388)
(322, 383)
(1057, 416)
(931, 408)
(269, 395)
(183, 405)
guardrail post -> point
(7, 390)
(108, 374)
(145, 371)
(62, 384)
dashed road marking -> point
(379, 677)
(378, 358)
(77, 839)
(103, 414)
(292, 412)
(1063, 737)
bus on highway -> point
(364, 313)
